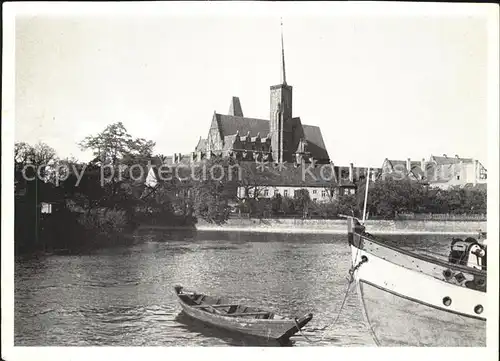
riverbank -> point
(336, 226)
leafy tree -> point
(253, 180)
(477, 201)
(214, 185)
(40, 157)
(287, 205)
(114, 144)
(122, 161)
(302, 202)
(276, 203)
(347, 204)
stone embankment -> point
(339, 226)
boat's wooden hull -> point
(404, 307)
(279, 329)
(407, 301)
(398, 321)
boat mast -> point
(366, 194)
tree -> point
(287, 205)
(252, 180)
(276, 203)
(122, 161)
(302, 202)
(477, 201)
(40, 157)
(213, 186)
(114, 144)
(85, 193)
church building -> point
(282, 142)
(280, 139)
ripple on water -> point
(124, 296)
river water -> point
(123, 296)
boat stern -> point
(178, 289)
(299, 324)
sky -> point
(378, 86)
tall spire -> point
(283, 72)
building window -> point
(285, 193)
(458, 177)
(276, 192)
(46, 208)
(314, 191)
(266, 193)
(323, 194)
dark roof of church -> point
(230, 124)
(315, 141)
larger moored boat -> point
(417, 299)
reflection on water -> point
(124, 296)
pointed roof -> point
(449, 160)
(201, 146)
(315, 143)
(235, 107)
(283, 72)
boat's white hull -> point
(404, 306)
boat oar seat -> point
(214, 306)
(249, 314)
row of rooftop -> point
(440, 171)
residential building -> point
(438, 171)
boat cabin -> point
(468, 252)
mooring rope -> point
(352, 270)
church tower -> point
(280, 123)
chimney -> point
(235, 107)
(334, 179)
(476, 171)
(174, 158)
(423, 166)
(408, 165)
(351, 172)
(199, 156)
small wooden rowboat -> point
(252, 321)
